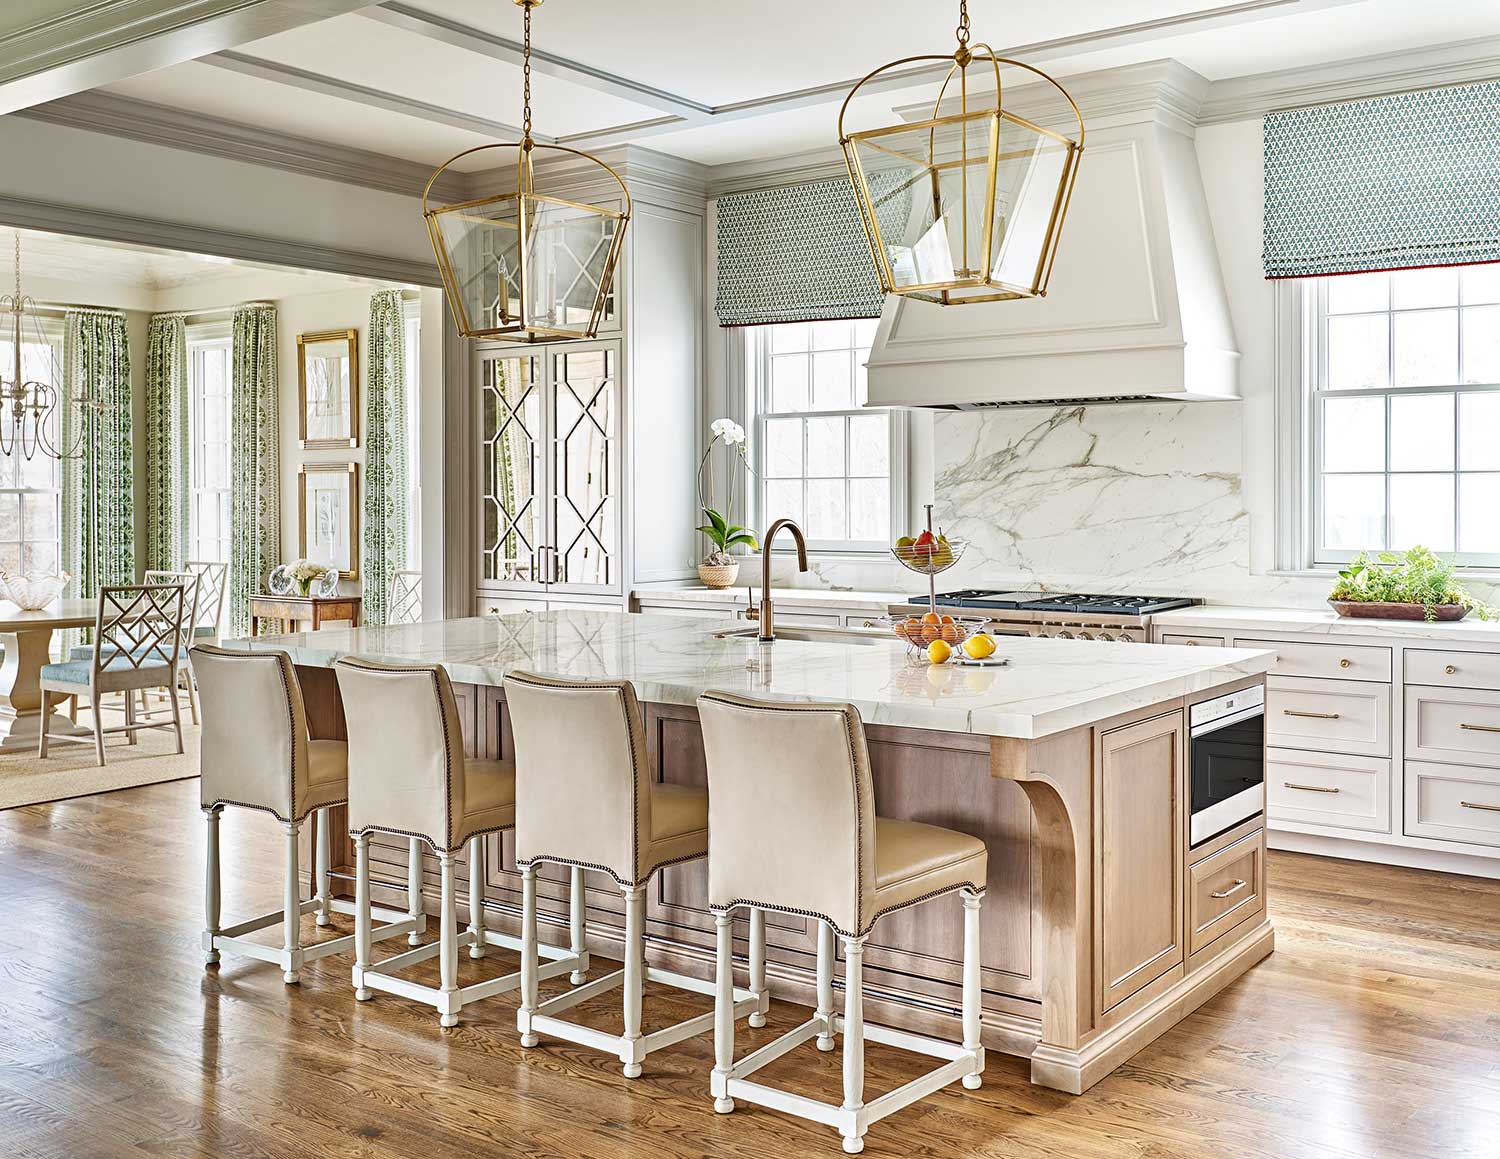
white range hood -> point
(1136, 309)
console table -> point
(315, 611)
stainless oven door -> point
(1226, 764)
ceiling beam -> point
(83, 46)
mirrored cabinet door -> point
(585, 452)
(512, 411)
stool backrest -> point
(254, 741)
(406, 750)
(582, 778)
(791, 808)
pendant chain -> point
(962, 30)
(526, 73)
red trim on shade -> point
(1379, 270)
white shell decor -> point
(31, 593)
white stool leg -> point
(320, 870)
(292, 915)
(972, 1040)
(528, 957)
(414, 890)
(448, 997)
(210, 881)
(854, 1036)
(362, 918)
(723, 1012)
(758, 966)
(635, 942)
(576, 902)
(825, 985)
(476, 896)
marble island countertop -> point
(1048, 687)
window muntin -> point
(1405, 413)
(30, 489)
(209, 476)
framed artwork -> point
(328, 516)
(328, 388)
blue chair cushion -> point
(78, 671)
(204, 631)
(86, 651)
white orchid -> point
(730, 431)
(721, 529)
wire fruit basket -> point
(931, 554)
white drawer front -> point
(1344, 792)
(1328, 661)
(1452, 803)
(1452, 669)
(1341, 716)
(1194, 641)
(1458, 725)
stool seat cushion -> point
(679, 825)
(489, 797)
(327, 773)
(915, 861)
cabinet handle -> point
(1481, 727)
(869, 623)
(1309, 788)
(1312, 715)
(1344, 663)
(1450, 670)
(1480, 805)
(1192, 643)
(1235, 888)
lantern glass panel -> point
(1031, 169)
(481, 247)
(567, 259)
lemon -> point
(980, 646)
(938, 652)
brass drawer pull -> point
(1481, 727)
(1312, 715)
(1235, 888)
(1450, 670)
(1345, 663)
(1309, 788)
(1480, 805)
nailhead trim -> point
(956, 887)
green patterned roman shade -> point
(387, 485)
(166, 443)
(797, 253)
(1390, 183)
(255, 505)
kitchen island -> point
(1101, 928)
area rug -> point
(70, 769)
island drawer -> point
(1452, 669)
(1342, 716)
(1346, 792)
(1194, 641)
(1225, 889)
(1456, 725)
(1453, 803)
(1326, 661)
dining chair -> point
(213, 584)
(405, 603)
(192, 584)
(138, 643)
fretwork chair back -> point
(256, 753)
(138, 644)
(191, 586)
(794, 830)
(408, 776)
(404, 605)
(213, 582)
(585, 799)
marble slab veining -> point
(1050, 685)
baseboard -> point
(1437, 860)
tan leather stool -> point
(409, 776)
(793, 824)
(585, 798)
(256, 754)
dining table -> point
(27, 637)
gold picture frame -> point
(328, 399)
(333, 505)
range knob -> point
(1106, 636)
(1085, 636)
(1064, 634)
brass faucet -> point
(767, 630)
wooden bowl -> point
(1374, 610)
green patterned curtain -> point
(98, 533)
(166, 443)
(255, 501)
(387, 488)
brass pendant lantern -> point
(967, 205)
(527, 266)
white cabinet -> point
(1342, 716)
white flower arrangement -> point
(729, 431)
(304, 571)
(722, 532)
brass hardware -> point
(767, 626)
(1480, 805)
(1344, 663)
(1192, 643)
(1312, 715)
(871, 624)
(1233, 889)
(1450, 670)
(1480, 727)
(1309, 788)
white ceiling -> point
(429, 92)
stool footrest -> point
(382, 975)
(232, 939)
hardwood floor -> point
(1374, 1030)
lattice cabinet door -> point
(584, 468)
(513, 410)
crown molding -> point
(155, 124)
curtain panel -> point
(255, 504)
(98, 524)
(166, 443)
(387, 486)
(1385, 184)
(797, 253)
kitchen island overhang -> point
(1070, 762)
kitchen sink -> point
(813, 635)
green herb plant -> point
(1413, 577)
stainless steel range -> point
(1065, 616)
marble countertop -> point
(1324, 622)
(849, 600)
(1050, 685)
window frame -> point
(52, 333)
(197, 344)
(411, 332)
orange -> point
(932, 618)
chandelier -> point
(30, 408)
(967, 205)
(529, 266)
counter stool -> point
(256, 754)
(585, 798)
(793, 824)
(408, 776)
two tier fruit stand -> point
(931, 560)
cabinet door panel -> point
(511, 405)
(585, 469)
